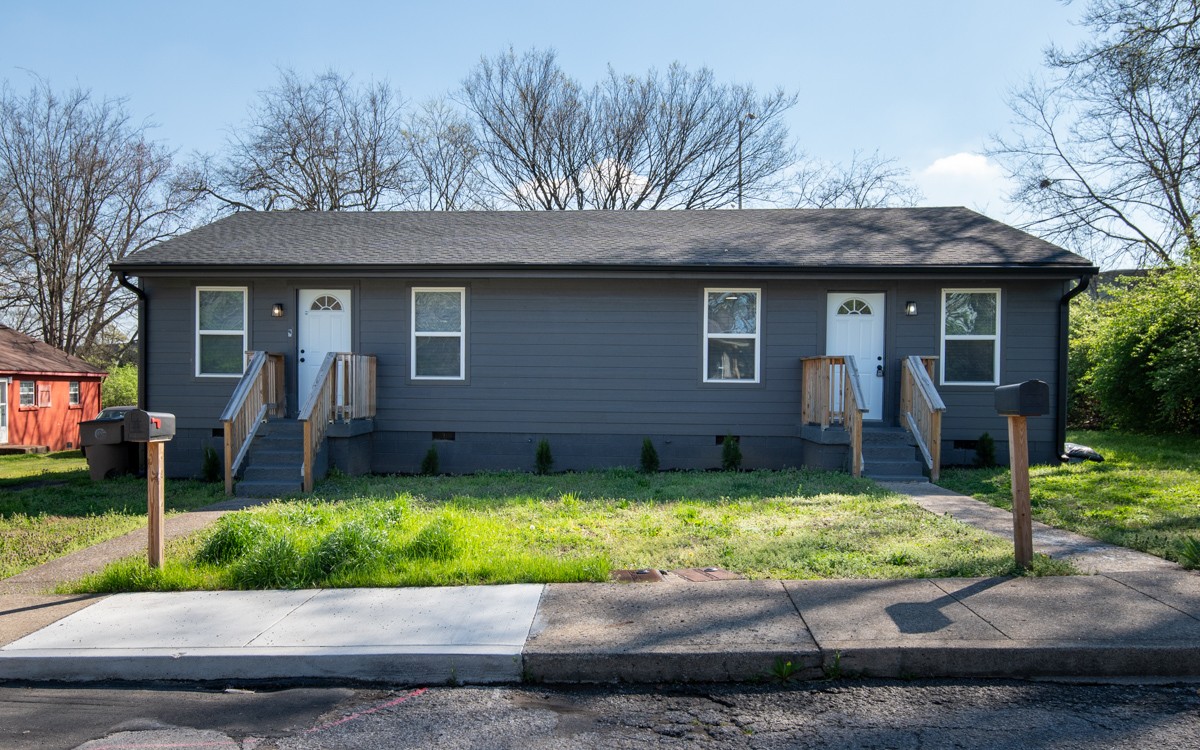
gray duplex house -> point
(864, 339)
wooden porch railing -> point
(258, 395)
(344, 389)
(833, 393)
(921, 409)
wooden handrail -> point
(258, 395)
(344, 389)
(853, 413)
(922, 408)
(832, 393)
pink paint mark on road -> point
(360, 714)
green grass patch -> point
(524, 528)
(49, 507)
(24, 468)
(1145, 496)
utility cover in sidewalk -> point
(645, 575)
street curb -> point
(990, 659)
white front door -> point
(855, 328)
(3, 410)
(324, 327)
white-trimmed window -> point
(438, 333)
(28, 390)
(970, 336)
(732, 350)
(73, 393)
(220, 331)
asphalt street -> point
(842, 714)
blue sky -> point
(923, 81)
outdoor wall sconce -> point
(910, 308)
(277, 310)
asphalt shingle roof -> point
(781, 238)
(20, 354)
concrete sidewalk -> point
(1138, 616)
(1141, 624)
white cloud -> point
(964, 179)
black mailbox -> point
(149, 426)
(1028, 399)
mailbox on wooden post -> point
(152, 428)
(1018, 401)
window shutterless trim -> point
(993, 337)
(756, 337)
(461, 334)
(244, 333)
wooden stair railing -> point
(922, 409)
(258, 395)
(344, 389)
(832, 393)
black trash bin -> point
(103, 443)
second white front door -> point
(324, 327)
(855, 328)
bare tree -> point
(1107, 153)
(660, 141)
(446, 158)
(868, 181)
(80, 187)
(535, 129)
(316, 145)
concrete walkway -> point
(1137, 618)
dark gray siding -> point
(594, 365)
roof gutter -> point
(143, 336)
(1064, 335)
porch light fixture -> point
(910, 308)
(277, 310)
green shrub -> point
(731, 454)
(1147, 353)
(429, 465)
(210, 467)
(649, 457)
(1083, 405)
(985, 451)
(120, 387)
(233, 536)
(543, 460)
(351, 546)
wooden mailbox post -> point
(153, 429)
(1018, 401)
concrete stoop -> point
(275, 465)
(890, 455)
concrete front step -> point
(277, 472)
(266, 488)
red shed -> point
(44, 393)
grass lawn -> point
(49, 507)
(1146, 494)
(509, 527)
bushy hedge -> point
(120, 388)
(1135, 355)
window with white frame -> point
(220, 331)
(28, 390)
(732, 349)
(970, 336)
(73, 393)
(438, 333)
